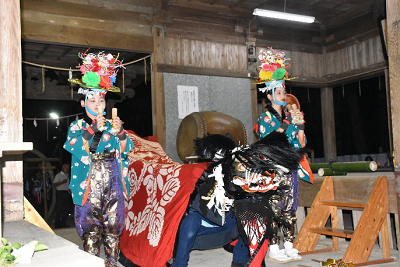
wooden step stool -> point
(363, 238)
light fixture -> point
(283, 15)
(54, 115)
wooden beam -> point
(255, 113)
(209, 27)
(187, 13)
(357, 74)
(47, 32)
(328, 124)
(201, 71)
(359, 10)
(392, 44)
(237, 3)
(32, 216)
(99, 9)
(11, 108)
(312, 82)
(87, 24)
(300, 47)
(334, 80)
(205, 36)
(215, 10)
(158, 94)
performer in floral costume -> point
(290, 122)
(99, 169)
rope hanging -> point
(43, 80)
(57, 121)
(70, 70)
(42, 119)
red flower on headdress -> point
(83, 69)
(268, 67)
(105, 82)
(96, 68)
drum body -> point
(199, 124)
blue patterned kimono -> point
(81, 164)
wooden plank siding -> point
(356, 56)
(310, 67)
(204, 54)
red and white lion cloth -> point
(159, 195)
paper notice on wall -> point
(188, 100)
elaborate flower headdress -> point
(273, 69)
(99, 72)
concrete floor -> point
(220, 258)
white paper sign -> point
(188, 100)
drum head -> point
(291, 99)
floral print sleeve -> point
(80, 164)
(292, 134)
(268, 123)
(74, 143)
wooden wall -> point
(357, 56)
(204, 54)
(357, 59)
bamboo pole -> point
(359, 166)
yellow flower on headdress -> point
(265, 75)
(279, 61)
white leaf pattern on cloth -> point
(161, 186)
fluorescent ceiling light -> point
(283, 15)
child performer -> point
(274, 74)
(99, 148)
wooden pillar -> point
(158, 94)
(251, 66)
(389, 111)
(393, 49)
(328, 124)
(254, 104)
(11, 107)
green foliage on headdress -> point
(91, 79)
(279, 74)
